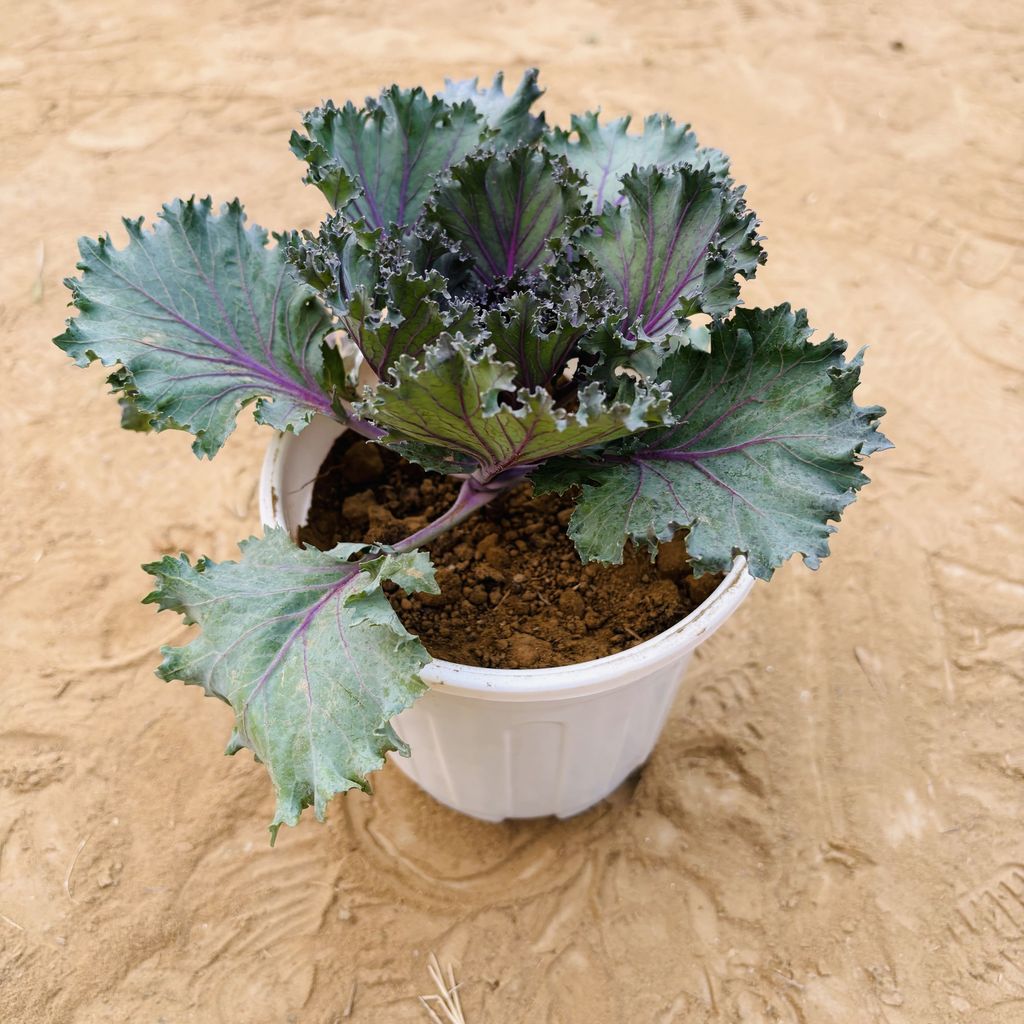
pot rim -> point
(598, 674)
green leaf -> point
(405, 320)
(389, 292)
(204, 319)
(764, 452)
(340, 258)
(306, 649)
(675, 248)
(132, 417)
(508, 116)
(506, 208)
(447, 411)
(535, 335)
(605, 153)
(379, 162)
(615, 351)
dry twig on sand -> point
(447, 997)
(71, 867)
(347, 1012)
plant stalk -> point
(364, 428)
(472, 497)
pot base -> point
(533, 759)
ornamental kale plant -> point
(531, 304)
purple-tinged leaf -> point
(204, 319)
(509, 116)
(674, 248)
(765, 450)
(389, 292)
(340, 258)
(409, 316)
(458, 411)
(538, 338)
(505, 209)
(379, 162)
(306, 649)
(605, 153)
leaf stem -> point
(364, 428)
(473, 495)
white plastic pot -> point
(520, 743)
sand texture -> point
(831, 830)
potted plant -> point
(517, 313)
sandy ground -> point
(830, 831)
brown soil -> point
(514, 593)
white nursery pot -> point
(520, 743)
